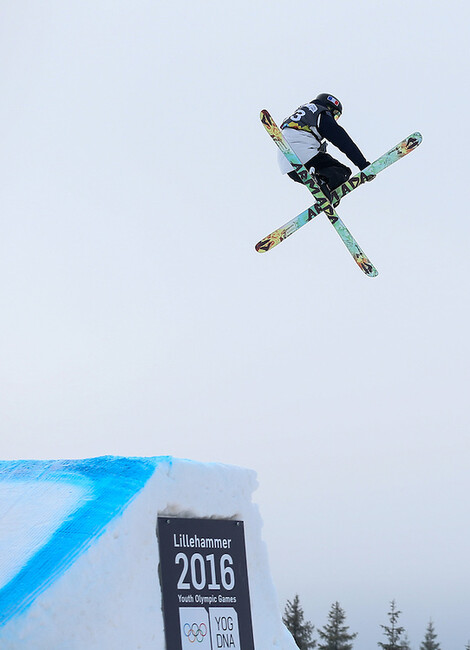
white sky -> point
(137, 318)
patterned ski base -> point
(402, 149)
(357, 253)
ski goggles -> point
(336, 114)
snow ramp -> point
(133, 553)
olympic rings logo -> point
(195, 632)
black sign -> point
(204, 579)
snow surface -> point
(79, 553)
(29, 524)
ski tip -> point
(365, 265)
(417, 137)
(264, 245)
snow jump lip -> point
(106, 553)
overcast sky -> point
(137, 319)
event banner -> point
(204, 580)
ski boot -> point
(327, 191)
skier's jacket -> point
(308, 128)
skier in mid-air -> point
(307, 131)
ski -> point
(402, 149)
(353, 247)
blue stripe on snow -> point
(111, 483)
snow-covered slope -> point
(79, 553)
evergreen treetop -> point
(335, 634)
(301, 630)
(393, 632)
(430, 637)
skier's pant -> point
(327, 169)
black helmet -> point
(330, 102)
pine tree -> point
(393, 632)
(294, 621)
(430, 637)
(335, 634)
